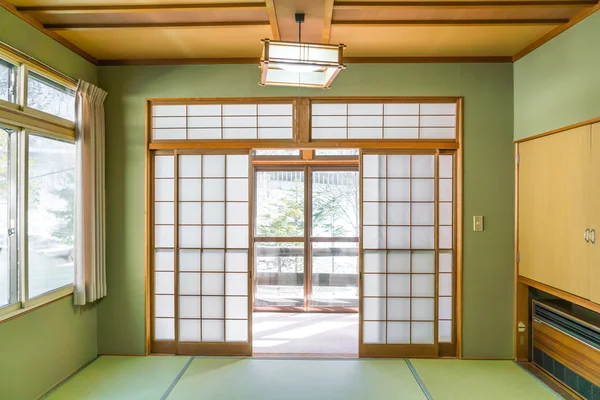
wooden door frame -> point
(302, 140)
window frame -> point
(14, 67)
(24, 120)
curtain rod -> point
(20, 54)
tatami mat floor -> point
(179, 377)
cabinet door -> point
(554, 192)
(595, 215)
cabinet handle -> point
(593, 236)
(586, 235)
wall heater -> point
(568, 349)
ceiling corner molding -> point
(347, 60)
(37, 25)
(556, 31)
(405, 60)
(177, 61)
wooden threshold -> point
(303, 355)
(585, 303)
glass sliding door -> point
(306, 239)
(334, 240)
(279, 239)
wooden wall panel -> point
(554, 176)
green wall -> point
(559, 83)
(488, 179)
(41, 348)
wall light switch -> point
(478, 223)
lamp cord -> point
(299, 32)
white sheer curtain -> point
(90, 264)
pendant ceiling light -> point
(300, 64)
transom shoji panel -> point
(383, 121)
(399, 249)
(201, 273)
(222, 121)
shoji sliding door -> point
(407, 246)
(201, 259)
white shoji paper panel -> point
(383, 121)
(222, 121)
(399, 259)
(212, 219)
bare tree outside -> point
(50, 97)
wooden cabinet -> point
(555, 202)
(595, 216)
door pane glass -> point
(335, 274)
(279, 274)
(335, 204)
(280, 203)
(51, 214)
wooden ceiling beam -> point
(328, 19)
(175, 25)
(453, 22)
(366, 5)
(108, 9)
(270, 4)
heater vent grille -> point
(567, 376)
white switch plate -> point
(478, 223)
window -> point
(8, 79)
(8, 188)
(50, 214)
(37, 185)
(50, 97)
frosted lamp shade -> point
(299, 64)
